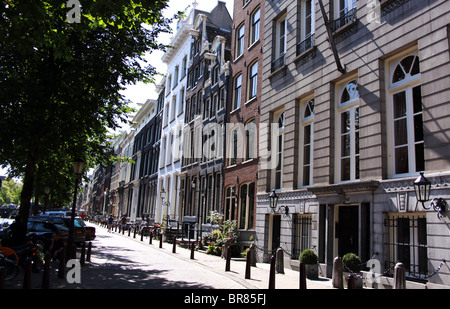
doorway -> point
(347, 230)
(276, 233)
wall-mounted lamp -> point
(422, 187)
(273, 203)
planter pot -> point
(312, 271)
(358, 280)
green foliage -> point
(10, 192)
(308, 256)
(226, 234)
(351, 262)
(61, 82)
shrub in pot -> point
(352, 265)
(309, 258)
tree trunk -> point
(28, 179)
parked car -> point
(79, 230)
(90, 230)
(42, 232)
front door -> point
(348, 230)
(276, 232)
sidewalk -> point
(100, 268)
(259, 274)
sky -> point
(140, 93)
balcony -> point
(279, 62)
(345, 18)
(306, 44)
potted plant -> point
(309, 258)
(352, 265)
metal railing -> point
(345, 18)
(306, 44)
(279, 62)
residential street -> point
(123, 262)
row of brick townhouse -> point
(334, 107)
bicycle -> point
(10, 261)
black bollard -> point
(351, 282)
(88, 254)
(83, 253)
(302, 276)
(192, 250)
(46, 273)
(134, 235)
(248, 264)
(62, 264)
(174, 248)
(27, 275)
(272, 273)
(129, 231)
(142, 236)
(151, 237)
(228, 256)
(160, 240)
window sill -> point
(282, 70)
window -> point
(246, 206)
(250, 140)
(233, 148)
(307, 27)
(348, 130)
(240, 40)
(279, 136)
(306, 143)
(237, 92)
(215, 102)
(407, 121)
(255, 19)
(222, 98)
(173, 108)
(344, 13)
(175, 76)
(215, 75)
(183, 67)
(301, 234)
(181, 103)
(230, 203)
(253, 80)
(280, 44)
(408, 243)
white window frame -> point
(240, 35)
(255, 26)
(278, 152)
(306, 121)
(351, 106)
(237, 92)
(252, 80)
(406, 85)
(280, 37)
(304, 17)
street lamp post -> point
(78, 167)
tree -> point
(61, 80)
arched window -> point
(230, 203)
(348, 129)
(306, 151)
(246, 206)
(406, 115)
(279, 151)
